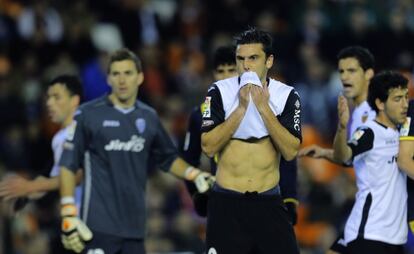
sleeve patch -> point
(357, 135)
(207, 123)
(206, 107)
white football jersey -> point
(360, 115)
(380, 209)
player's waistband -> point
(275, 191)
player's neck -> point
(125, 104)
(385, 120)
(67, 121)
(359, 100)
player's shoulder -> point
(147, 108)
(276, 84)
(226, 84)
(91, 106)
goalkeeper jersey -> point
(115, 147)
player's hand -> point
(260, 96)
(244, 96)
(343, 112)
(14, 187)
(313, 151)
(74, 232)
(291, 209)
(202, 180)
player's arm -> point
(406, 150)
(285, 130)
(342, 152)
(166, 157)
(74, 232)
(362, 139)
(17, 186)
(406, 157)
(317, 152)
(191, 148)
(216, 130)
(202, 180)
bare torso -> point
(248, 165)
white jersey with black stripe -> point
(380, 209)
(57, 148)
(360, 115)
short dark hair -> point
(381, 84)
(363, 55)
(253, 35)
(125, 54)
(224, 55)
(71, 82)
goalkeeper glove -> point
(74, 232)
(202, 180)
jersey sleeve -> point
(74, 145)
(291, 116)
(212, 110)
(163, 152)
(288, 178)
(362, 140)
(407, 129)
(191, 149)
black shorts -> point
(248, 223)
(109, 244)
(363, 246)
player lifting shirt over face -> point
(250, 121)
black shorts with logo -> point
(246, 223)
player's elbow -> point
(207, 146)
(288, 156)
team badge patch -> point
(405, 128)
(140, 124)
(206, 107)
(357, 135)
(364, 117)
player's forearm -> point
(328, 154)
(178, 167)
(283, 140)
(41, 184)
(67, 182)
(213, 141)
(342, 153)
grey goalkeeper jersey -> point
(115, 149)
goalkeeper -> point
(114, 138)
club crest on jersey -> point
(405, 128)
(297, 104)
(206, 107)
(140, 124)
(364, 117)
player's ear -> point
(369, 74)
(380, 104)
(140, 78)
(269, 61)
